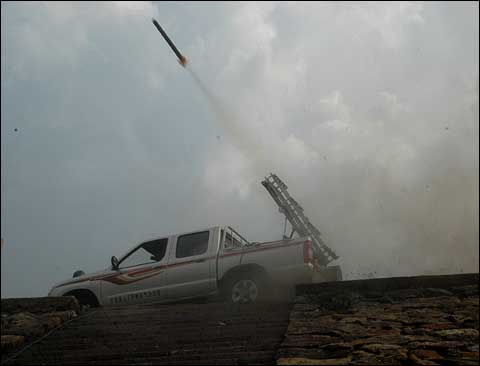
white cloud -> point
(391, 19)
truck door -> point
(191, 268)
(140, 277)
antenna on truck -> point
(294, 214)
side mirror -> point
(114, 262)
(78, 273)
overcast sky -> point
(368, 112)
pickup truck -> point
(217, 261)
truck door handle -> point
(199, 260)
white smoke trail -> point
(232, 125)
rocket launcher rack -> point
(294, 214)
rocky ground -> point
(430, 320)
(385, 322)
(24, 320)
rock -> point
(438, 326)
(364, 358)
(51, 322)
(389, 339)
(63, 315)
(308, 340)
(462, 321)
(352, 329)
(367, 358)
(338, 301)
(11, 342)
(474, 348)
(458, 333)
(378, 347)
(334, 347)
(313, 328)
(24, 324)
(425, 303)
(440, 344)
(311, 361)
(415, 332)
(426, 354)
(383, 332)
(438, 302)
(419, 361)
(469, 356)
(420, 338)
(460, 362)
(35, 325)
(349, 319)
(388, 316)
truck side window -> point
(231, 242)
(192, 244)
(149, 252)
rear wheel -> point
(244, 289)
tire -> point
(247, 288)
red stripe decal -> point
(261, 249)
(113, 277)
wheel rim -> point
(244, 291)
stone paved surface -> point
(394, 321)
(212, 334)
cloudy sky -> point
(369, 113)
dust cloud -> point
(383, 216)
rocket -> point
(181, 59)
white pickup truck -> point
(217, 260)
